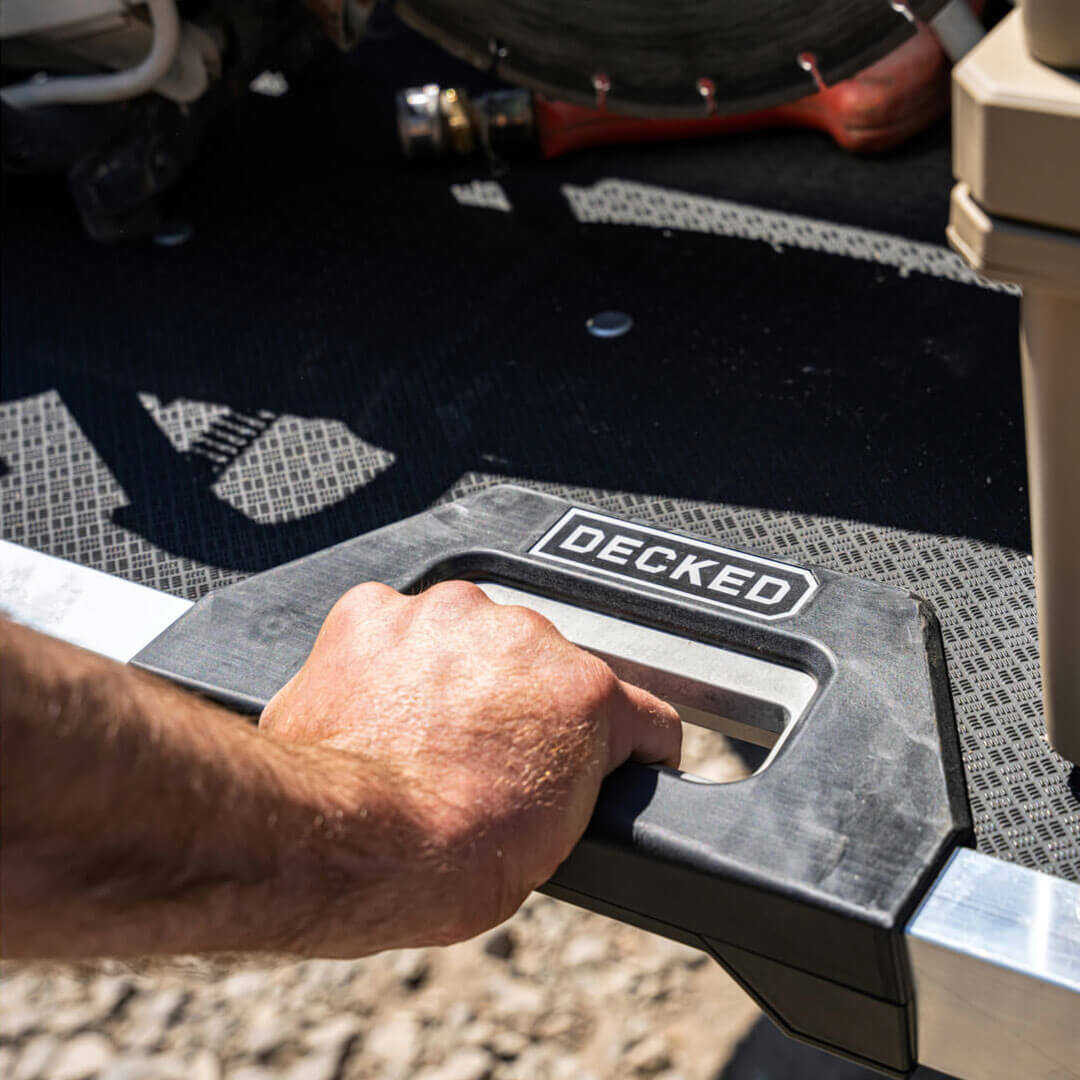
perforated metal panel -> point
(58, 496)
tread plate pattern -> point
(58, 496)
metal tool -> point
(891, 100)
(833, 883)
(672, 58)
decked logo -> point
(676, 564)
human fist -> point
(469, 742)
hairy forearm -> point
(138, 818)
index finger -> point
(644, 728)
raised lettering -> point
(642, 562)
(690, 568)
(716, 575)
(619, 548)
(592, 538)
(731, 580)
(782, 589)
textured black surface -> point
(409, 346)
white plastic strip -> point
(85, 607)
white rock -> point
(516, 998)
(63, 989)
(35, 1056)
(321, 1065)
(334, 1035)
(433, 1004)
(18, 988)
(166, 1006)
(144, 1067)
(468, 1064)
(651, 1055)
(676, 979)
(609, 984)
(324, 975)
(396, 1042)
(507, 1045)
(145, 1034)
(73, 1018)
(479, 1033)
(635, 1028)
(534, 1062)
(152, 1015)
(560, 1024)
(213, 1031)
(670, 953)
(531, 963)
(7, 1060)
(129, 1067)
(412, 966)
(568, 1067)
(252, 1072)
(266, 1031)
(650, 987)
(17, 1020)
(585, 949)
(110, 992)
(80, 1057)
(204, 1066)
(458, 1015)
(243, 984)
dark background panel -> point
(329, 277)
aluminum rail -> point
(994, 947)
(995, 955)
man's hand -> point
(434, 759)
(491, 731)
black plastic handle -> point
(798, 879)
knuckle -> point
(362, 598)
(526, 621)
(599, 683)
(357, 607)
(452, 593)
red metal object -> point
(888, 102)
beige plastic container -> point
(1015, 216)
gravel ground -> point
(555, 993)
